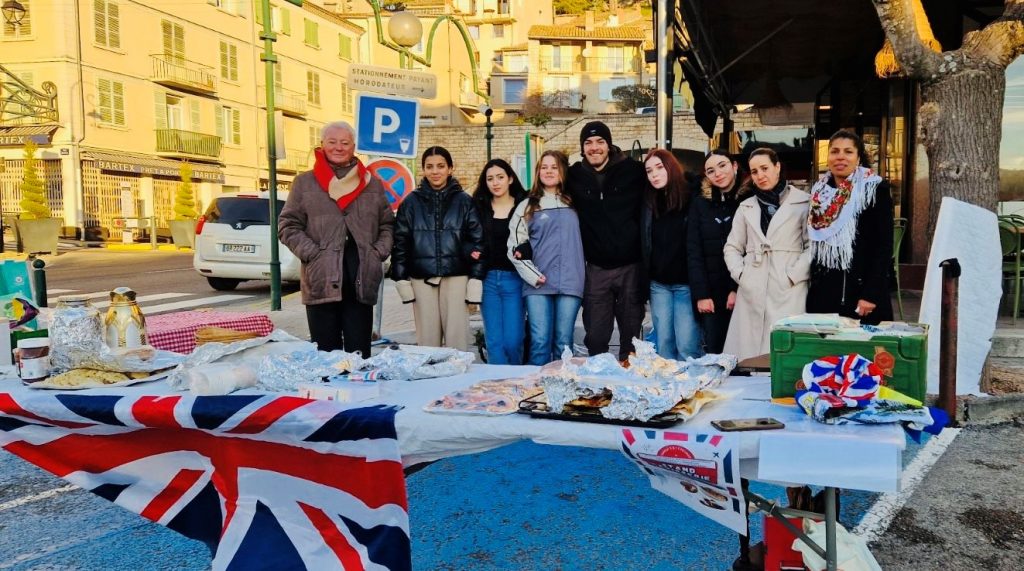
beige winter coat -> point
(772, 271)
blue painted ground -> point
(525, 506)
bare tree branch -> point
(1002, 41)
(916, 59)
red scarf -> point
(324, 174)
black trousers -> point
(345, 324)
(609, 297)
(716, 326)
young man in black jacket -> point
(606, 188)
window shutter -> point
(99, 17)
(257, 11)
(179, 41)
(165, 28)
(224, 60)
(233, 61)
(103, 86)
(25, 29)
(286, 22)
(278, 82)
(113, 25)
(117, 99)
(194, 108)
(236, 126)
(219, 115)
(160, 110)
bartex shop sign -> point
(158, 170)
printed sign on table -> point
(700, 470)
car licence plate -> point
(239, 248)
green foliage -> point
(184, 199)
(633, 96)
(575, 6)
(535, 110)
(33, 193)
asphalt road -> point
(163, 280)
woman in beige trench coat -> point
(768, 255)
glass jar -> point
(75, 329)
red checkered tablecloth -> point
(177, 331)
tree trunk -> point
(960, 122)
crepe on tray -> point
(488, 398)
(77, 379)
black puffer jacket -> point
(709, 225)
(436, 231)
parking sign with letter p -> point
(387, 126)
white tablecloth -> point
(805, 452)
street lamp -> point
(405, 30)
(14, 12)
(487, 111)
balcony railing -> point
(296, 160)
(612, 65)
(564, 64)
(517, 65)
(184, 74)
(290, 102)
(564, 99)
(190, 143)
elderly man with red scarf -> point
(337, 221)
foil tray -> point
(537, 407)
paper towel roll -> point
(217, 379)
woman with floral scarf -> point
(850, 225)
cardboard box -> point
(341, 391)
(904, 360)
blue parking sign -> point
(387, 126)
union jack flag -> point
(843, 380)
(268, 482)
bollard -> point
(948, 339)
(39, 281)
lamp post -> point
(14, 12)
(405, 30)
(487, 111)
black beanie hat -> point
(596, 128)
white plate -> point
(45, 384)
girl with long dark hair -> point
(663, 226)
(497, 193)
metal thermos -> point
(124, 325)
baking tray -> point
(537, 407)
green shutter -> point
(106, 113)
(257, 11)
(168, 35)
(99, 18)
(160, 110)
(194, 112)
(113, 25)
(117, 100)
(236, 126)
(218, 112)
(286, 22)
(345, 46)
(233, 61)
(224, 61)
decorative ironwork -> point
(22, 104)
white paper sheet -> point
(971, 235)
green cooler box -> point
(903, 360)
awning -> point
(145, 164)
(16, 136)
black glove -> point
(525, 251)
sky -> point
(1011, 153)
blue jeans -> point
(552, 324)
(675, 327)
(504, 320)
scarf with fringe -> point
(832, 221)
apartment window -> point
(314, 136)
(312, 33)
(499, 30)
(174, 41)
(516, 62)
(346, 97)
(280, 20)
(229, 125)
(229, 6)
(344, 47)
(503, 7)
(107, 23)
(616, 59)
(313, 87)
(111, 102)
(559, 58)
(474, 32)
(515, 90)
(229, 61)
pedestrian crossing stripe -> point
(102, 300)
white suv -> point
(233, 241)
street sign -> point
(396, 179)
(387, 126)
(391, 81)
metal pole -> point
(489, 136)
(269, 37)
(663, 101)
(529, 164)
(39, 281)
(830, 529)
(949, 334)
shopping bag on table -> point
(15, 280)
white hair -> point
(337, 125)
